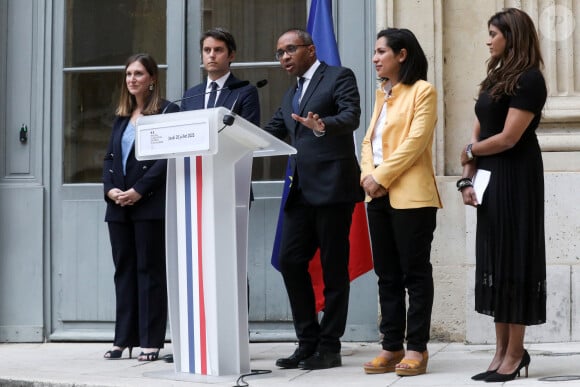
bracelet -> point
(464, 182)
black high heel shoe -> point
(483, 375)
(116, 354)
(149, 356)
(497, 377)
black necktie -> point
(212, 95)
(296, 99)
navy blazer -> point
(146, 177)
(247, 104)
(325, 168)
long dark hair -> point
(415, 65)
(127, 102)
(522, 52)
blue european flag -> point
(321, 27)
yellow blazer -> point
(407, 167)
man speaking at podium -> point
(320, 115)
(218, 50)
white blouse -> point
(377, 137)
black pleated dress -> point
(510, 282)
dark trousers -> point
(307, 228)
(140, 283)
(401, 243)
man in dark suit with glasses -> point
(319, 115)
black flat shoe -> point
(293, 360)
(497, 377)
(483, 375)
(149, 356)
(321, 360)
(116, 354)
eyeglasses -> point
(290, 50)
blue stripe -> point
(189, 259)
(275, 258)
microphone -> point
(233, 86)
(229, 118)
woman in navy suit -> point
(135, 196)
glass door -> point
(93, 39)
(256, 26)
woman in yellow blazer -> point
(399, 180)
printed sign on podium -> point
(176, 135)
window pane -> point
(268, 168)
(90, 101)
(107, 32)
(256, 26)
(102, 34)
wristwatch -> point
(468, 152)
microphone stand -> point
(230, 117)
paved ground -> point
(450, 364)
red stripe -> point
(360, 256)
(202, 322)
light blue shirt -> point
(127, 144)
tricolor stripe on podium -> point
(195, 359)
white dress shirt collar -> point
(220, 82)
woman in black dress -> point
(510, 282)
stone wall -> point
(453, 34)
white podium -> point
(208, 188)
